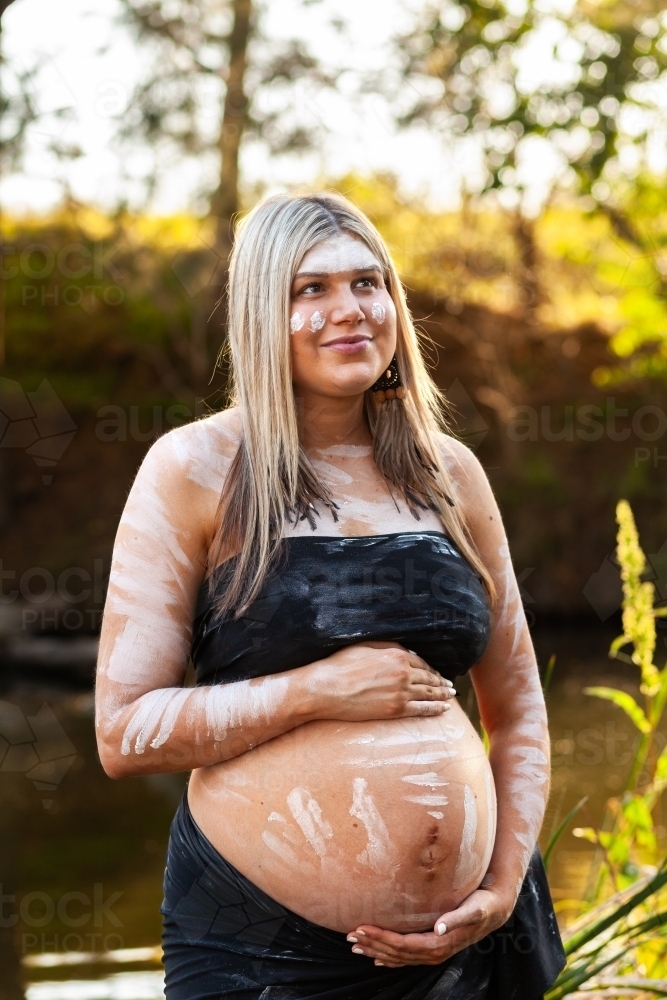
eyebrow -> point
(325, 274)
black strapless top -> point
(326, 593)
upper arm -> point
(506, 679)
(159, 561)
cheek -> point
(307, 319)
(383, 312)
(378, 313)
(296, 322)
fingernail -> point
(361, 933)
(358, 951)
(446, 707)
(352, 939)
(441, 929)
(378, 963)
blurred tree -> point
(214, 82)
(589, 82)
(16, 113)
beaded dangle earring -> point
(389, 385)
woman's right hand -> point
(376, 680)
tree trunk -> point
(225, 201)
(4, 492)
(528, 274)
(208, 313)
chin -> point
(351, 381)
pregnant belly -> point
(388, 823)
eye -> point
(367, 283)
(312, 288)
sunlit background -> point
(514, 155)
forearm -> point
(521, 773)
(179, 729)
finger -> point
(428, 692)
(421, 675)
(470, 912)
(390, 949)
(385, 955)
(429, 950)
(425, 708)
(369, 936)
(389, 957)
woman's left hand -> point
(482, 912)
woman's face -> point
(343, 320)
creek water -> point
(81, 856)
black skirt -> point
(224, 937)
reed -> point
(618, 946)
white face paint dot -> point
(317, 321)
(296, 322)
(378, 312)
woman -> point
(332, 560)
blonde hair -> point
(271, 480)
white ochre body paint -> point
(467, 866)
(337, 255)
(296, 322)
(147, 714)
(308, 814)
(379, 853)
(428, 757)
(428, 780)
(378, 312)
(427, 800)
(317, 321)
(278, 846)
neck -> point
(325, 421)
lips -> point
(356, 338)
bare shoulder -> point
(199, 453)
(178, 486)
(474, 496)
(466, 471)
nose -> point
(346, 309)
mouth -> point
(349, 344)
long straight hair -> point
(271, 481)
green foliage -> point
(619, 946)
(98, 302)
(604, 58)
(624, 701)
(595, 102)
(590, 265)
(548, 673)
(562, 826)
